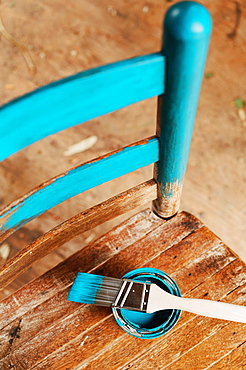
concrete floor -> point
(65, 37)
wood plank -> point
(76, 225)
(187, 251)
(214, 259)
(76, 181)
(76, 99)
(234, 360)
(208, 350)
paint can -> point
(144, 325)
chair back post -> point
(186, 34)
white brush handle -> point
(160, 300)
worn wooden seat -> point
(42, 330)
(39, 327)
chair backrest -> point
(174, 75)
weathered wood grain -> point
(76, 225)
(75, 181)
(142, 252)
(234, 360)
(209, 340)
(74, 336)
(229, 337)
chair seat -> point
(39, 325)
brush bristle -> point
(94, 289)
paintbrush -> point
(146, 297)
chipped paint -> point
(4, 219)
(168, 199)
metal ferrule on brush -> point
(132, 295)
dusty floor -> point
(65, 37)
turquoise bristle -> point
(85, 288)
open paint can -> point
(145, 325)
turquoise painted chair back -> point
(174, 75)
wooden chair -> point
(40, 328)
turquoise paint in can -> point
(144, 325)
